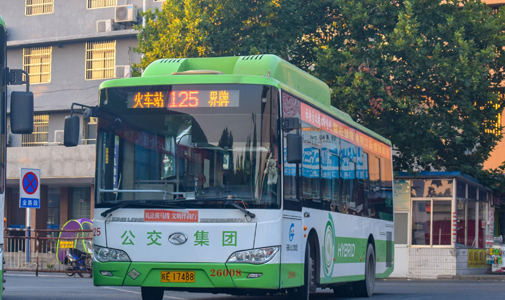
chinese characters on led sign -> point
(184, 99)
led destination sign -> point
(184, 99)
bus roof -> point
(257, 69)
(2, 22)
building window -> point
(81, 203)
(37, 63)
(39, 137)
(53, 210)
(39, 7)
(101, 3)
(100, 59)
(431, 222)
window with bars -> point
(100, 59)
(40, 135)
(37, 63)
(39, 7)
(101, 3)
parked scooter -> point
(78, 262)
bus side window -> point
(374, 194)
(336, 182)
(360, 186)
(310, 174)
(366, 184)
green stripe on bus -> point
(208, 275)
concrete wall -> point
(401, 262)
(430, 263)
(66, 30)
(68, 83)
(70, 18)
(57, 164)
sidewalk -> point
(481, 277)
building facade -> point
(68, 48)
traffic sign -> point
(29, 188)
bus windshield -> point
(204, 144)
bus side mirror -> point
(71, 134)
(22, 112)
(294, 148)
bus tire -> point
(151, 293)
(309, 278)
(365, 287)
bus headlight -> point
(254, 256)
(103, 254)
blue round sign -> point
(291, 232)
(30, 183)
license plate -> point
(177, 276)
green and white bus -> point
(236, 175)
(21, 113)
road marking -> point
(138, 293)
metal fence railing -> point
(40, 250)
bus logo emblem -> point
(178, 238)
(329, 249)
(291, 232)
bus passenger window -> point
(310, 174)
(335, 182)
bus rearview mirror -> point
(294, 151)
(21, 112)
(71, 135)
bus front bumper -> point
(206, 275)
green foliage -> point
(418, 72)
(199, 28)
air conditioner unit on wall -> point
(125, 13)
(123, 71)
(58, 137)
(104, 25)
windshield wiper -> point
(242, 209)
(164, 204)
(230, 202)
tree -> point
(201, 28)
(419, 72)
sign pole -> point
(28, 234)
(29, 197)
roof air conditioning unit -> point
(123, 71)
(125, 13)
(104, 25)
(58, 137)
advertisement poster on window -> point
(402, 195)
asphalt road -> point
(57, 287)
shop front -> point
(444, 222)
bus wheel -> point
(151, 293)
(365, 287)
(309, 282)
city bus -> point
(21, 112)
(235, 175)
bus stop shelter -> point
(443, 223)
